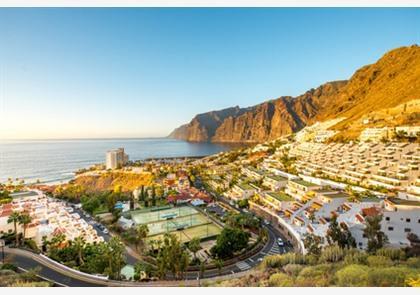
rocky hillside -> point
(392, 81)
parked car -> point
(266, 222)
(280, 242)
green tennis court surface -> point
(185, 222)
(149, 216)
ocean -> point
(55, 161)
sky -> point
(141, 72)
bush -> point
(356, 258)
(311, 259)
(413, 262)
(276, 261)
(9, 266)
(293, 269)
(31, 244)
(353, 275)
(379, 261)
(315, 276)
(280, 280)
(394, 254)
(390, 276)
(332, 254)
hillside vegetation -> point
(109, 181)
(334, 267)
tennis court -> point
(149, 216)
(177, 223)
(201, 231)
(185, 222)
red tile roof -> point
(372, 211)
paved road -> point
(27, 261)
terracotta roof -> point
(372, 211)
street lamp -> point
(2, 243)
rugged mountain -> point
(392, 81)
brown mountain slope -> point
(391, 81)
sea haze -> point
(57, 160)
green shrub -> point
(394, 254)
(390, 276)
(356, 258)
(311, 259)
(353, 275)
(272, 261)
(9, 266)
(280, 280)
(31, 244)
(413, 262)
(275, 261)
(379, 261)
(293, 269)
(332, 254)
(315, 276)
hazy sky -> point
(67, 73)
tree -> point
(142, 194)
(14, 217)
(153, 196)
(194, 246)
(142, 231)
(143, 270)
(115, 257)
(229, 241)
(25, 220)
(79, 245)
(376, 238)
(339, 235)
(313, 244)
(172, 257)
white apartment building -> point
(116, 158)
(400, 217)
(374, 134)
(410, 130)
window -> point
(387, 218)
(408, 219)
(407, 230)
(391, 228)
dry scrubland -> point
(110, 180)
(334, 267)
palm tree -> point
(14, 217)
(25, 220)
(79, 245)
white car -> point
(105, 231)
(280, 242)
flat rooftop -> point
(282, 197)
(402, 202)
(24, 194)
(303, 182)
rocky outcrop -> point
(393, 80)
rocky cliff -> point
(393, 80)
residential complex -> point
(116, 159)
(49, 218)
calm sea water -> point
(56, 160)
